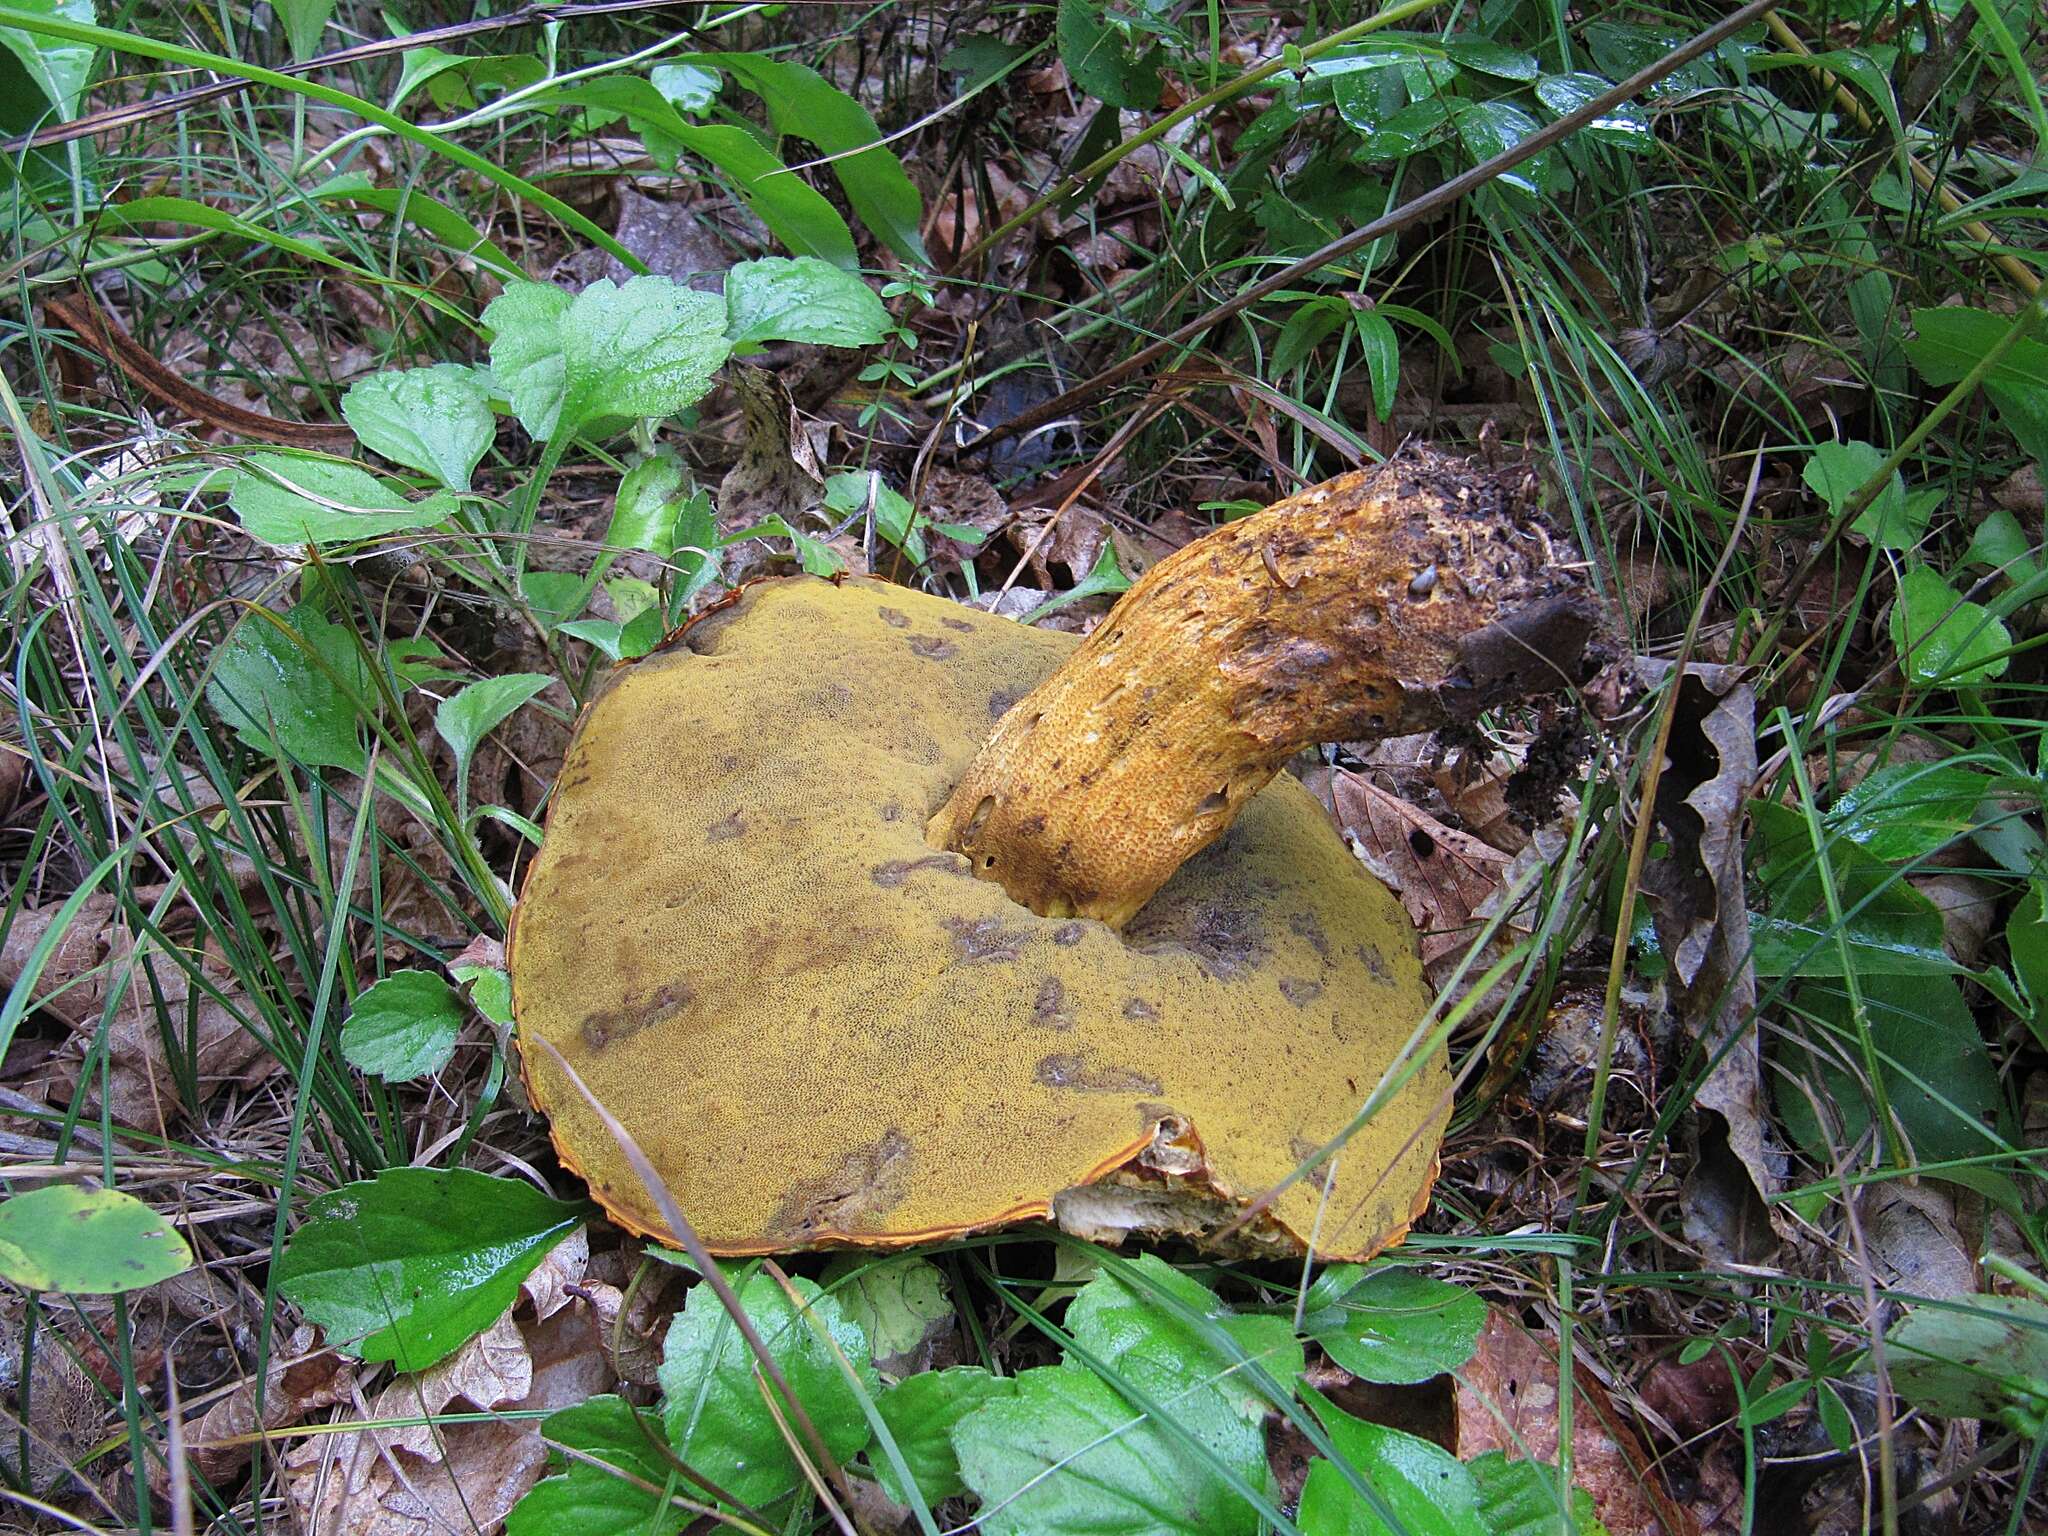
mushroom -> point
(853, 968)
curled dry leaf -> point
(778, 474)
(1507, 1400)
(1696, 899)
(426, 1477)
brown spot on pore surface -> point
(1374, 961)
(1049, 1009)
(1303, 925)
(983, 941)
(934, 647)
(1001, 701)
(636, 1012)
(1323, 1176)
(852, 1195)
(962, 625)
(1073, 1070)
(892, 874)
(1068, 934)
(1221, 934)
(733, 826)
(895, 618)
(1138, 1008)
(1299, 989)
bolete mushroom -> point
(853, 970)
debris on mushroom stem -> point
(1382, 602)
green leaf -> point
(645, 350)
(287, 500)
(1776, 1402)
(689, 88)
(1519, 1498)
(1625, 125)
(794, 211)
(1948, 343)
(1491, 58)
(1837, 471)
(1099, 62)
(922, 1412)
(815, 555)
(403, 1027)
(1307, 328)
(896, 520)
(1105, 578)
(293, 689)
(582, 1499)
(304, 21)
(59, 68)
(1064, 1455)
(1392, 1324)
(645, 505)
(554, 596)
(1381, 350)
(1489, 128)
(408, 1266)
(1422, 1486)
(896, 1302)
(436, 420)
(2026, 939)
(2002, 545)
(1945, 640)
(801, 298)
(490, 990)
(717, 1420)
(695, 551)
(803, 104)
(1938, 1075)
(1985, 1359)
(1906, 811)
(86, 1242)
(465, 719)
(1889, 929)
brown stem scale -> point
(1382, 602)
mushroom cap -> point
(821, 1031)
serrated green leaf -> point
(408, 1266)
(436, 420)
(1945, 640)
(86, 1242)
(801, 298)
(922, 1412)
(605, 1498)
(713, 1407)
(403, 1027)
(646, 349)
(286, 500)
(1392, 1323)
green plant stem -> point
(433, 143)
(1103, 163)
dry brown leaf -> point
(547, 1288)
(1507, 1401)
(1696, 899)
(1442, 875)
(302, 1378)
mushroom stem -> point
(1382, 602)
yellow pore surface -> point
(822, 1031)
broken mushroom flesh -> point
(823, 1029)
